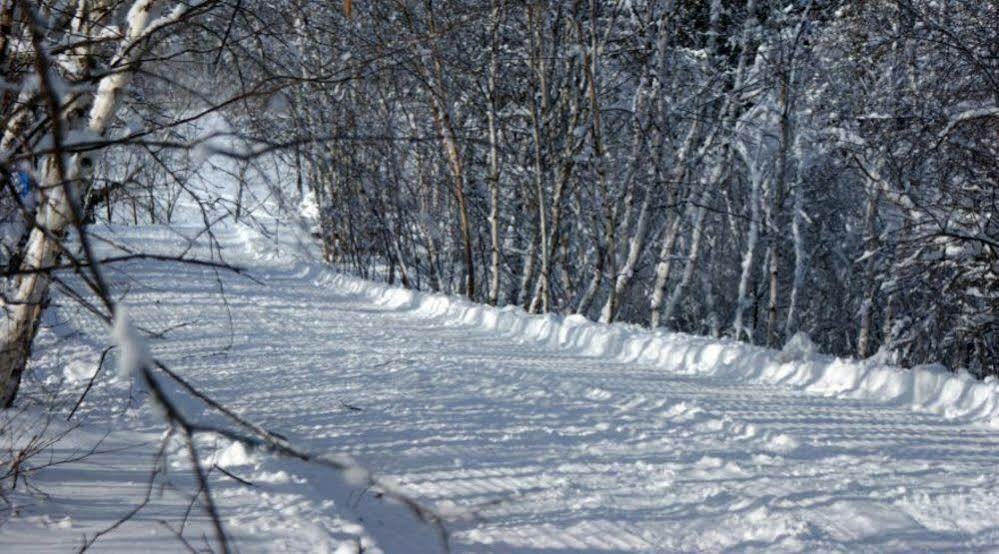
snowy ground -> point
(553, 441)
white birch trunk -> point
(663, 269)
(697, 235)
(637, 240)
(798, 279)
(627, 272)
(44, 246)
(867, 304)
(664, 265)
(494, 169)
(739, 327)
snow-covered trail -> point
(555, 451)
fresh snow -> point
(530, 433)
(133, 352)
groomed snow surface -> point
(532, 433)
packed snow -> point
(526, 433)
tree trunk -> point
(440, 108)
(494, 168)
(539, 110)
(665, 257)
(663, 268)
(637, 240)
(31, 291)
(867, 304)
(798, 278)
(58, 175)
(739, 327)
(627, 273)
(696, 236)
(776, 212)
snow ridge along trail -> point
(556, 448)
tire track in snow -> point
(555, 449)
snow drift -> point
(933, 389)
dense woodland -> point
(747, 169)
(744, 169)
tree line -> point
(747, 169)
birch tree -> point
(72, 117)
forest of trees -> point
(748, 169)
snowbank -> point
(930, 389)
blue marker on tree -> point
(24, 180)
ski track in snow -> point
(553, 450)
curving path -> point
(554, 452)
